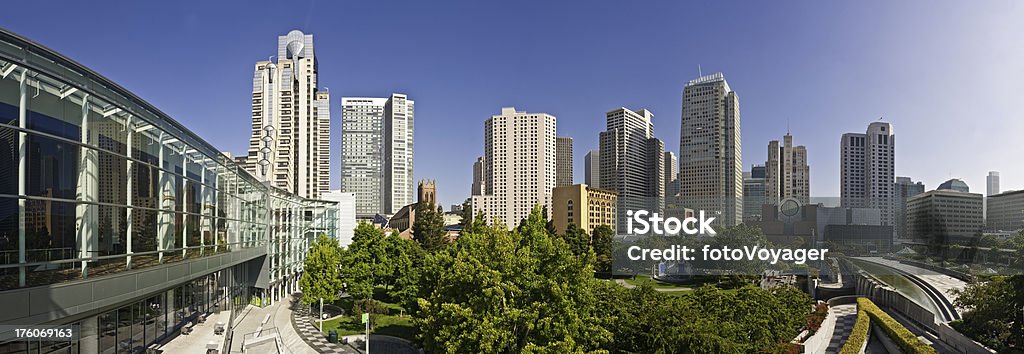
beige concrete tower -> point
(290, 142)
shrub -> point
(903, 337)
(859, 336)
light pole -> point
(321, 314)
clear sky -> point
(948, 74)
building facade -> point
(291, 137)
(563, 161)
(710, 153)
(128, 232)
(346, 224)
(787, 174)
(753, 193)
(944, 217)
(671, 176)
(478, 177)
(519, 166)
(584, 206)
(592, 169)
(633, 162)
(1005, 211)
(905, 189)
(377, 151)
(867, 170)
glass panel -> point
(107, 342)
(124, 329)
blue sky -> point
(947, 74)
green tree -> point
(321, 271)
(602, 244)
(366, 262)
(497, 291)
(466, 214)
(428, 229)
(993, 313)
(577, 239)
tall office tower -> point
(753, 193)
(398, 151)
(478, 177)
(786, 172)
(563, 161)
(671, 175)
(868, 170)
(290, 142)
(905, 188)
(632, 162)
(376, 153)
(519, 165)
(592, 169)
(992, 181)
(710, 153)
(955, 184)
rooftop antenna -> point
(787, 126)
(699, 73)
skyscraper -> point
(290, 142)
(478, 177)
(563, 161)
(632, 162)
(753, 193)
(786, 172)
(376, 152)
(710, 153)
(868, 170)
(518, 165)
(671, 176)
(992, 183)
(592, 168)
(905, 189)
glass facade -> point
(94, 181)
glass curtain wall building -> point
(116, 217)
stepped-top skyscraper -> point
(376, 152)
(710, 153)
(786, 172)
(290, 143)
(868, 170)
(632, 162)
(518, 165)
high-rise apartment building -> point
(867, 170)
(905, 189)
(563, 161)
(592, 169)
(290, 142)
(518, 165)
(786, 172)
(753, 193)
(710, 153)
(632, 162)
(376, 152)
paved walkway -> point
(202, 335)
(846, 317)
(279, 322)
(307, 327)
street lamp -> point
(321, 314)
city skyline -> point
(860, 75)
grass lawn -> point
(386, 325)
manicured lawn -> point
(386, 325)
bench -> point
(187, 328)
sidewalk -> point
(306, 326)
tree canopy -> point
(321, 276)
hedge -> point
(859, 335)
(901, 335)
